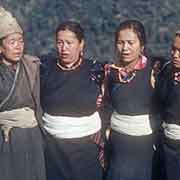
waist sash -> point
(137, 125)
(72, 127)
(22, 118)
(172, 131)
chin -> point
(177, 66)
(126, 61)
(16, 59)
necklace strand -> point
(70, 68)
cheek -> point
(10, 49)
(137, 50)
(22, 46)
(9, 53)
(118, 49)
(76, 50)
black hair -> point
(137, 28)
(72, 26)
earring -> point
(81, 53)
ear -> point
(0, 49)
(82, 44)
(142, 50)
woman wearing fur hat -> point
(21, 152)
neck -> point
(9, 63)
(69, 66)
(128, 65)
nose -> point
(19, 45)
(64, 46)
(125, 46)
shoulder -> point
(48, 59)
(95, 64)
(31, 63)
(166, 69)
(30, 58)
(97, 72)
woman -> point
(131, 94)
(168, 88)
(21, 151)
(69, 90)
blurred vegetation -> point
(39, 19)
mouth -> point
(63, 56)
(18, 55)
(176, 61)
(125, 55)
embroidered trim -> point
(125, 75)
(177, 77)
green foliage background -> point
(99, 18)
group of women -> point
(54, 129)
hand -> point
(157, 67)
(99, 101)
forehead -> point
(176, 42)
(66, 34)
(13, 36)
(127, 34)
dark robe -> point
(22, 157)
(168, 92)
(70, 93)
(131, 157)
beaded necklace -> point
(74, 66)
(126, 77)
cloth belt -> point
(21, 118)
(72, 127)
(171, 131)
(137, 125)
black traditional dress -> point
(22, 157)
(131, 146)
(168, 91)
(70, 94)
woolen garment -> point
(22, 157)
(70, 93)
(168, 91)
(72, 159)
(171, 149)
(131, 156)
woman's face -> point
(68, 46)
(128, 46)
(12, 47)
(175, 52)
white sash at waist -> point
(21, 117)
(137, 125)
(171, 131)
(72, 127)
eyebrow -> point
(174, 47)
